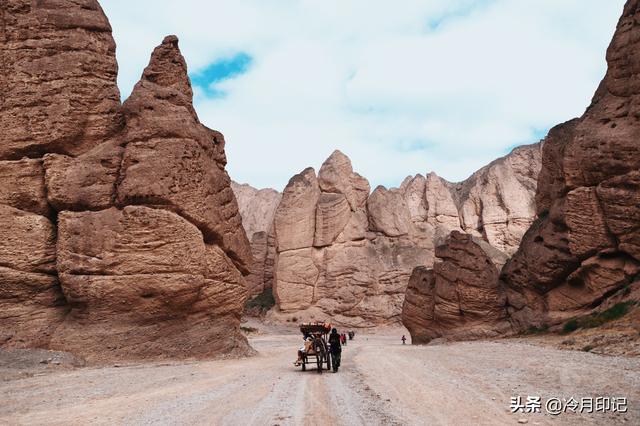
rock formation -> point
(461, 296)
(257, 208)
(346, 254)
(585, 245)
(122, 236)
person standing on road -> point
(404, 339)
(336, 349)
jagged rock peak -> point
(586, 245)
(167, 67)
(121, 234)
(336, 175)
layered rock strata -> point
(123, 236)
(585, 245)
(257, 208)
(582, 250)
(461, 296)
(347, 255)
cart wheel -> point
(319, 360)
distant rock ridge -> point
(345, 253)
(257, 208)
(121, 235)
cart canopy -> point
(315, 327)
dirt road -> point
(380, 382)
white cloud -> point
(401, 87)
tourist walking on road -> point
(335, 348)
(404, 339)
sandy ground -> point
(380, 382)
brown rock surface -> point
(388, 212)
(257, 208)
(86, 182)
(31, 301)
(163, 134)
(336, 176)
(143, 271)
(125, 239)
(59, 70)
(23, 186)
(461, 297)
(585, 245)
(332, 215)
(351, 261)
(295, 217)
(497, 203)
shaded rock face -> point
(461, 296)
(257, 208)
(585, 245)
(123, 236)
(346, 255)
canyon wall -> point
(121, 236)
(346, 253)
(586, 244)
(257, 208)
(461, 296)
(583, 249)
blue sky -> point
(401, 87)
(207, 79)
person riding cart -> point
(315, 347)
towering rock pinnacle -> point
(345, 254)
(582, 253)
(163, 133)
(150, 251)
(586, 244)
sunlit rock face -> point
(122, 237)
(257, 207)
(585, 245)
(461, 296)
(346, 253)
(581, 253)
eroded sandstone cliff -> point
(585, 246)
(461, 296)
(347, 254)
(582, 250)
(121, 236)
(257, 208)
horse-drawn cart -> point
(318, 350)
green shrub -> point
(537, 330)
(571, 325)
(587, 348)
(248, 329)
(616, 311)
(264, 301)
(613, 313)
